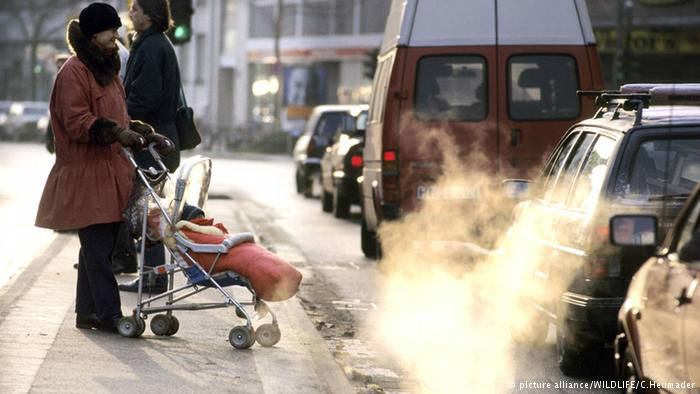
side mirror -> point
(516, 189)
(633, 230)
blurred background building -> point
(235, 82)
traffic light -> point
(181, 12)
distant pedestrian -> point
(90, 182)
(152, 85)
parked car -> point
(486, 77)
(324, 122)
(627, 158)
(4, 112)
(658, 344)
(341, 166)
(23, 118)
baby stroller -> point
(155, 206)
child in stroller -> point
(204, 251)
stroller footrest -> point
(224, 279)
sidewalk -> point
(42, 351)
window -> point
(200, 48)
(316, 17)
(381, 82)
(661, 167)
(229, 27)
(451, 88)
(590, 180)
(344, 16)
(568, 173)
(361, 121)
(289, 12)
(329, 125)
(261, 21)
(373, 15)
(556, 163)
(690, 225)
(542, 87)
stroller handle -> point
(151, 148)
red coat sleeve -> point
(70, 103)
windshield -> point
(661, 170)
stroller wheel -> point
(142, 326)
(268, 335)
(160, 325)
(241, 337)
(128, 327)
(174, 326)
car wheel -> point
(368, 241)
(326, 201)
(308, 189)
(341, 205)
(571, 360)
(300, 183)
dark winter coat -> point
(152, 85)
(91, 178)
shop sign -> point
(643, 41)
(661, 2)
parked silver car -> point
(22, 119)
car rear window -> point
(661, 168)
(451, 88)
(542, 87)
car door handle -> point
(515, 135)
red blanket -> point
(272, 278)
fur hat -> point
(98, 17)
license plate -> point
(446, 193)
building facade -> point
(229, 66)
(647, 40)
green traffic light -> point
(181, 33)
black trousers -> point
(97, 291)
(155, 256)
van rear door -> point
(448, 102)
(449, 93)
(540, 68)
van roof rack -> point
(637, 96)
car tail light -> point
(390, 163)
(596, 268)
(601, 234)
(390, 176)
(356, 161)
(311, 148)
(600, 263)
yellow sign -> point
(644, 41)
(661, 2)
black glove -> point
(163, 144)
(141, 127)
(131, 139)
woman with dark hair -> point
(90, 182)
(152, 86)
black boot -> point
(158, 286)
(123, 265)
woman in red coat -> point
(88, 186)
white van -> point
(499, 76)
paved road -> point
(347, 302)
(41, 350)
